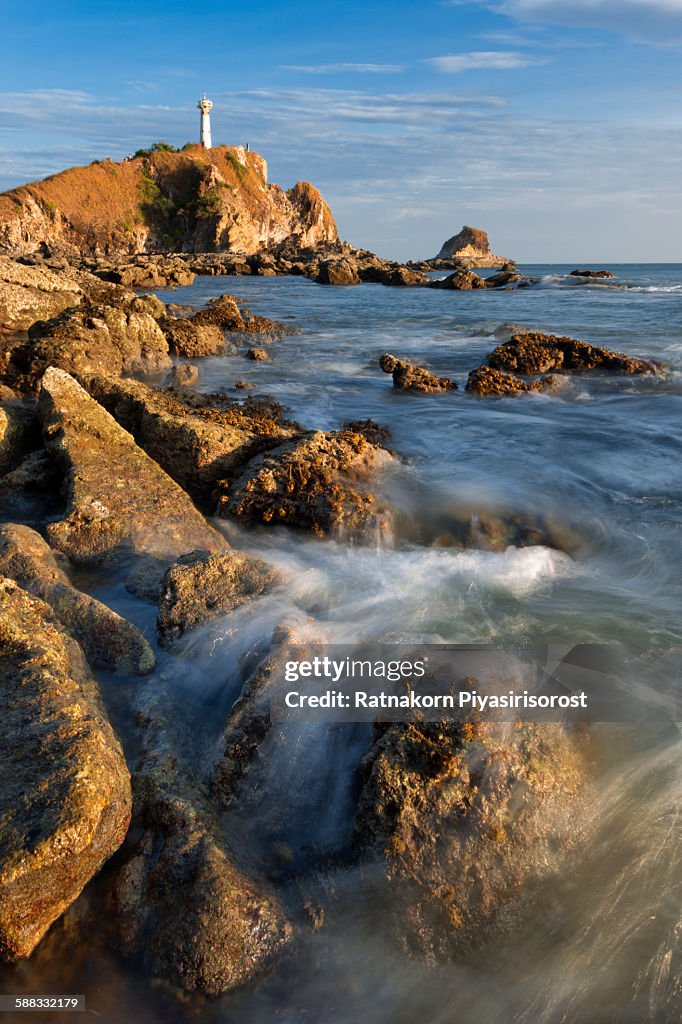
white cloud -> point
(645, 20)
(325, 69)
(479, 60)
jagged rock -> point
(65, 797)
(179, 900)
(28, 294)
(485, 381)
(318, 481)
(36, 472)
(375, 433)
(338, 272)
(186, 375)
(148, 304)
(19, 433)
(222, 312)
(118, 498)
(193, 340)
(198, 446)
(169, 274)
(469, 818)
(461, 281)
(108, 640)
(531, 352)
(472, 247)
(405, 277)
(592, 273)
(259, 355)
(201, 586)
(408, 377)
(93, 339)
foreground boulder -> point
(408, 377)
(28, 294)
(468, 820)
(197, 445)
(65, 798)
(201, 586)
(319, 481)
(180, 901)
(118, 498)
(107, 639)
(532, 352)
(486, 382)
(92, 339)
(192, 340)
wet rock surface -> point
(461, 281)
(408, 377)
(604, 274)
(65, 798)
(201, 586)
(180, 900)
(468, 820)
(117, 497)
(108, 640)
(192, 340)
(320, 481)
(485, 381)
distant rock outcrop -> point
(471, 247)
(195, 200)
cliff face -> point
(193, 201)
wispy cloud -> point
(479, 60)
(645, 20)
(328, 69)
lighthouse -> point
(205, 106)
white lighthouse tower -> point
(205, 106)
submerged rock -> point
(198, 446)
(408, 377)
(592, 273)
(65, 797)
(107, 639)
(185, 375)
(259, 355)
(531, 352)
(469, 819)
(201, 586)
(319, 481)
(118, 498)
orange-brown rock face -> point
(196, 200)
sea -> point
(601, 459)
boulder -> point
(471, 247)
(222, 312)
(93, 339)
(198, 446)
(118, 498)
(318, 481)
(28, 294)
(592, 273)
(180, 901)
(469, 819)
(107, 639)
(405, 277)
(461, 281)
(192, 340)
(407, 377)
(505, 279)
(338, 272)
(147, 304)
(65, 798)
(19, 433)
(201, 586)
(531, 352)
(185, 375)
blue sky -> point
(556, 125)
